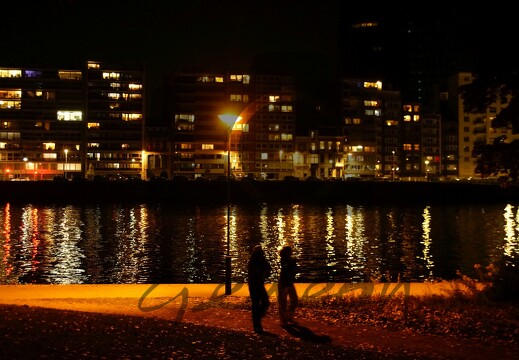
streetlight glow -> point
(229, 120)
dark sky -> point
(167, 33)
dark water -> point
(120, 244)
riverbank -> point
(446, 321)
(204, 192)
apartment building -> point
(70, 122)
(473, 128)
(260, 144)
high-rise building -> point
(71, 122)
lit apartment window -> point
(125, 146)
(408, 108)
(49, 146)
(69, 75)
(286, 108)
(207, 146)
(373, 85)
(11, 94)
(131, 117)
(356, 121)
(235, 97)
(93, 145)
(70, 115)
(273, 98)
(134, 87)
(93, 125)
(416, 147)
(114, 96)
(115, 85)
(50, 156)
(407, 118)
(32, 73)
(131, 96)
(218, 79)
(10, 73)
(416, 118)
(92, 65)
(370, 103)
(10, 104)
(111, 75)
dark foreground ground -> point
(100, 328)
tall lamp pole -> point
(66, 163)
(229, 120)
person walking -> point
(258, 270)
(287, 295)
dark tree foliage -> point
(497, 158)
(478, 96)
(486, 89)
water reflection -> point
(114, 243)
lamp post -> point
(66, 162)
(393, 166)
(229, 120)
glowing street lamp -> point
(229, 120)
(66, 163)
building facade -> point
(70, 122)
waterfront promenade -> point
(197, 321)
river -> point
(151, 243)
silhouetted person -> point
(259, 270)
(287, 295)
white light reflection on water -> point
(511, 229)
(330, 239)
(355, 255)
(427, 241)
(64, 251)
(341, 243)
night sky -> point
(169, 34)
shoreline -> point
(215, 192)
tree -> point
(486, 90)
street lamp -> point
(393, 166)
(66, 162)
(229, 120)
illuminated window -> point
(370, 103)
(70, 115)
(416, 147)
(186, 146)
(407, 118)
(264, 156)
(321, 145)
(235, 97)
(218, 79)
(135, 87)
(407, 147)
(286, 137)
(115, 85)
(11, 94)
(114, 96)
(185, 117)
(416, 117)
(373, 85)
(93, 125)
(49, 146)
(111, 75)
(50, 156)
(131, 96)
(125, 146)
(10, 73)
(114, 106)
(356, 121)
(273, 98)
(69, 75)
(93, 65)
(408, 108)
(93, 145)
(5, 125)
(131, 117)
(10, 104)
(207, 146)
(32, 73)
(286, 108)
